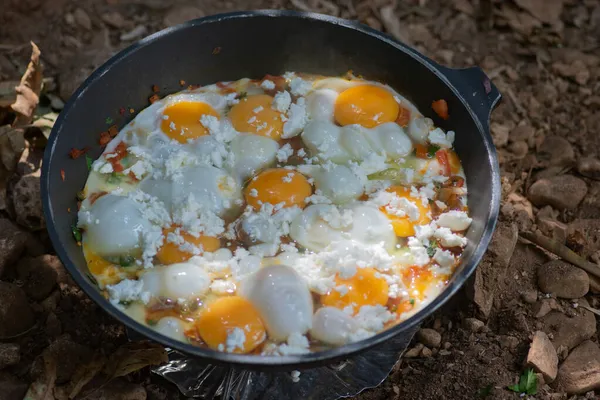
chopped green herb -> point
(412, 302)
(390, 174)
(124, 302)
(108, 120)
(89, 161)
(242, 95)
(431, 150)
(527, 383)
(114, 178)
(432, 248)
(81, 196)
(394, 308)
(151, 322)
(76, 232)
(126, 261)
(485, 391)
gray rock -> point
(563, 279)
(570, 331)
(562, 192)
(27, 201)
(580, 372)
(16, 315)
(473, 324)
(589, 167)
(38, 278)
(556, 150)
(542, 356)
(11, 387)
(10, 354)
(429, 337)
(12, 243)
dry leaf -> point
(392, 24)
(86, 373)
(28, 91)
(45, 123)
(134, 356)
(12, 145)
(43, 387)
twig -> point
(562, 251)
(590, 309)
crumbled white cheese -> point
(300, 87)
(127, 290)
(449, 239)
(258, 109)
(222, 287)
(267, 84)
(444, 258)
(296, 344)
(288, 178)
(455, 220)
(235, 340)
(297, 119)
(439, 138)
(253, 192)
(370, 320)
(282, 101)
(301, 152)
(221, 130)
(441, 205)
(138, 169)
(284, 152)
(102, 167)
(295, 376)
(252, 119)
(193, 216)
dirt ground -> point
(521, 309)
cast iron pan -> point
(251, 44)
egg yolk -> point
(254, 114)
(170, 253)
(417, 280)
(454, 162)
(221, 318)
(278, 185)
(404, 226)
(181, 121)
(366, 105)
(365, 288)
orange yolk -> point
(222, 316)
(417, 280)
(278, 185)
(254, 114)
(366, 105)
(183, 120)
(404, 226)
(454, 162)
(170, 253)
(364, 289)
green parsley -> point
(527, 383)
(109, 120)
(390, 174)
(76, 232)
(431, 150)
(81, 195)
(114, 178)
(412, 302)
(432, 248)
(126, 261)
(89, 161)
(151, 322)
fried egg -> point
(338, 183)
(366, 288)
(171, 327)
(180, 246)
(332, 326)
(404, 225)
(176, 281)
(252, 154)
(278, 186)
(254, 114)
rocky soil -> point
(525, 324)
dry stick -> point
(562, 251)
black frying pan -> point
(251, 44)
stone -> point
(580, 372)
(429, 337)
(482, 286)
(556, 151)
(53, 326)
(473, 324)
(38, 277)
(508, 342)
(563, 280)
(134, 34)
(529, 296)
(114, 20)
(27, 201)
(12, 243)
(542, 356)
(589, 167)
(82, 19)
(554, 229)
(414, 351)
(179, 15)
(522, 133)
(594, 284)
(16, 315)
(563, 192)
(426, 352)
(11, 387)
(570, 331)
(544, 306)
(10, 354)
(519, 149)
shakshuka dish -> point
(278, 216)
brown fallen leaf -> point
(392, 24)
(43, 387)
(134, 356)
(85, 374)
(28, 91)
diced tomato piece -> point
(441, 108)
(421, 151)
(442, 158)
(403, 117)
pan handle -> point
(477, 89)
